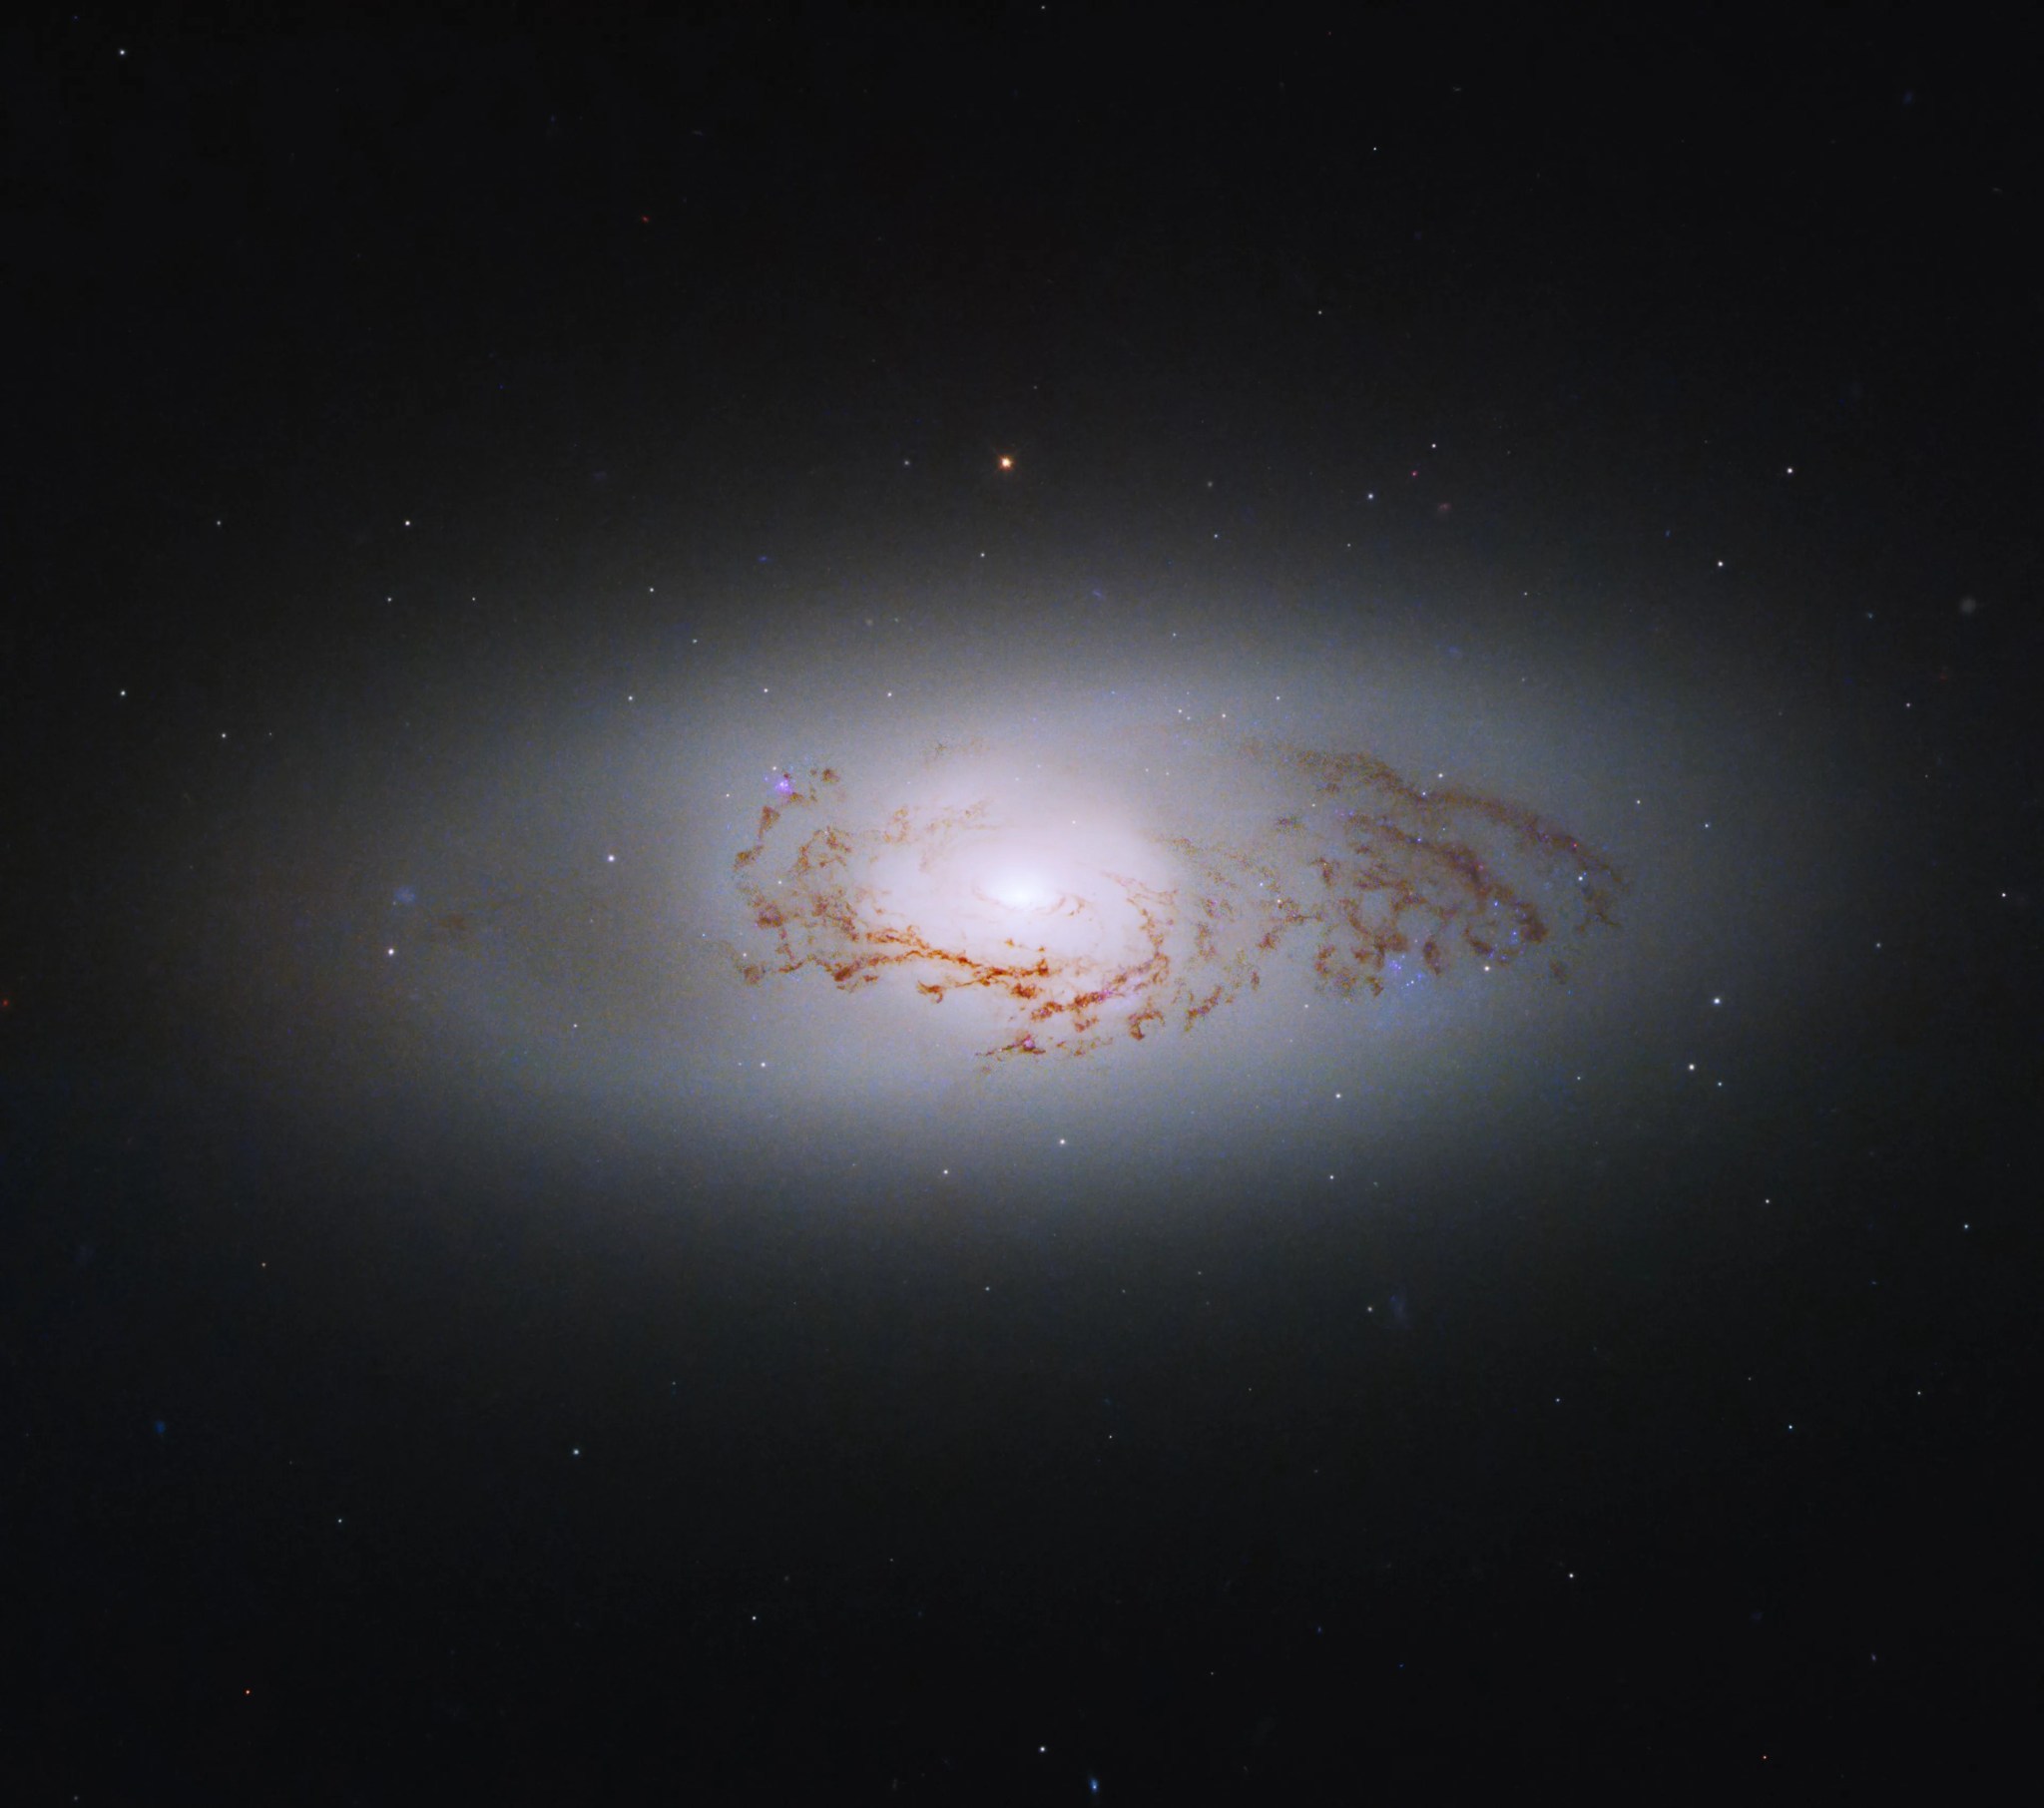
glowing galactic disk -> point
(1081, 913)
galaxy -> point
(1016, 906)
(1108, 918)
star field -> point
(1016, 907)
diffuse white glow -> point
(1016, 884)
(1233, 931)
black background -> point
(595, 300)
